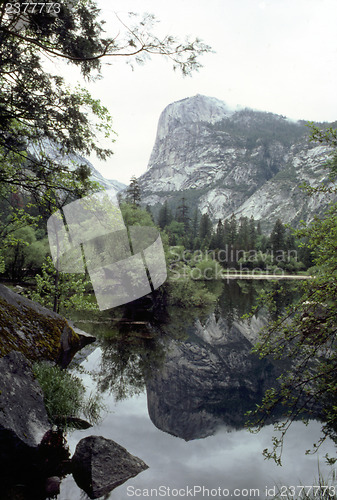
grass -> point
(65, 396)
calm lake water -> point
(175, 395)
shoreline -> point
(266, 276)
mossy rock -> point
(32, 329)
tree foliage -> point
(24, 252)
(45, 124)
(61, 291)
(133, 195)
(38, 111)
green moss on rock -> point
(32, 329)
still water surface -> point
(194, 443)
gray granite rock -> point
(23, 417)
(100, 465)
(36, 331)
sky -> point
(271, 55)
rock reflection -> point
(210, 379)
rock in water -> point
(37, 332)
(53, 486)
(100, 465)
(32, 329)
(23, 417)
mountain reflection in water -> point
(208, 380)
(199, 372)
(200, 378)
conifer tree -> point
(133, 193)
(182, 214)
(205, 227)
(218, 240)
(277, 236)
(164, 216)
(231, 233)
(194, 229)
(252, 233)
(243, 234)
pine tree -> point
(277, 236)
(252, 234)
(149, 211)
(133, 193)
(164, 216)
(243, 234)
(218, 239)
(231, 230)
(194, 230)
(205, 227)
(182, 214)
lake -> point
(176, 393)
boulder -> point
(99, 465)
(30, 451)
(52, 486)
(36, 331)
(23, 417)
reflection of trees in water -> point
(129, 354)
(135, 343)
(239, 297)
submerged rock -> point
(100, 465)
(53, 486)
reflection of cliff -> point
(211, 379)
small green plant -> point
(61, 292)
(65, 396)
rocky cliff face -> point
(224, 161)
(210, 380)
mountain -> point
(53, 152)
(227, 161)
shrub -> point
(65, 395)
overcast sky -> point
(270, 55)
